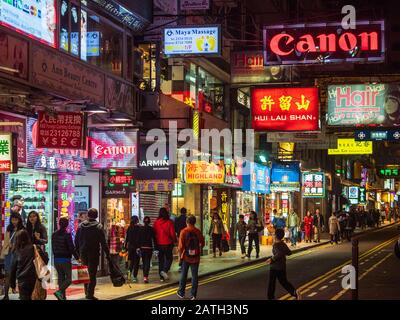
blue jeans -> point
(293, 235)
(194, 267)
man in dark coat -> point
(180, 224)
(89, 237)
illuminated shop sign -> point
(200, 171)
(285, 177)
(18, 126)
(363, 104)
(192, 40)
(356, 195)
(113, 149)
(233, 173)
(285, 109)
(154, 185)
(313, 184)
(119, 178)
(8, 152)
(66, 204)
(377, 135)
(383, 172)
(324, 43)
(257, 179)
(350, 146)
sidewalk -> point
(208, 266)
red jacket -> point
(164, 232)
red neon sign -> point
(41, 185)
(285, 109)
(324, 43)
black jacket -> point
(89, 237)
(62, 245)
(132, 241)
(22, 267)
(279, 250)
(147, 238)
(180, 224)
(321, 220)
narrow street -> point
(317, 272)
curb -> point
(246, 264)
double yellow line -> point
(172, 291)
(317, 281)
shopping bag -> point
(40, 262)
(225, 246)
(80, 274)
(39, 293)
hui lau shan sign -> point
(324, 43)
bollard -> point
(354, 262)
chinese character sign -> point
(313, 184)
(285, 109)
(7, 154)
(350, 146)
(205, 172)
(66, 204)
(64, 130)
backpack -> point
(192, 245)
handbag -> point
(225, 246)
(39, 293)
(40, 263)
(80, 274)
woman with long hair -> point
(7, 251)
(147, 242)
(22, 267)
(216, 231)
(36, 230)
(165, 236)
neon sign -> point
(324, 43)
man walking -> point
(180, 224)
(191, 243)
(293, 225)
(318, 221)
(89, 237)
(241, 228)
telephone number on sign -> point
(62, 133)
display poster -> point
(313, 184)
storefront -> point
(285, 183)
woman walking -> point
(254, 226)
(132, 243)
(165, 239)
(147, 242)
(216, 232)
(36, 230)
(22, 268)
(334, 228)
(8, 248)
(308, 224)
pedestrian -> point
(254, 226)
(36, 230)
(191, 243)
(293, 223)
(241, 228)
(334, 228)
(89, 237)
(318, 225)
(147, 244)
(216, 231)
(63, 250)
(165, 239)
(23, 268)
(82, 216)
(278, 221)
(278, 267)
(180, 224)
(18, 207)
(308, 223)
(7, 251)
(132, 244)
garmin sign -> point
(154, 164)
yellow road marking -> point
(222, 276)
(341, 293)
(313, 283)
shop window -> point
(75, 28)
(147, 64)
(64, 25)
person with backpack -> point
(278, 267)
(180, 224)
(147, 242)
(63, 250)
(89, 237)
(165, 239)
(191, 243)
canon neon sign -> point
(324, 43)
(100, 150)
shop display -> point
(118, 219)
